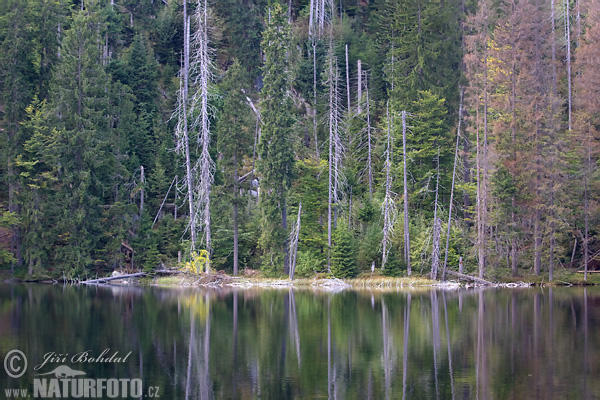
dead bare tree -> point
(336, 146)
(193, 113)
(437, 227)
(406, 230)
(201, 69)
(294, 237)
(182, 145)
(460, 106)
(388, 207)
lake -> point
(274, 344)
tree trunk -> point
(406, 227)
(435, 254)
(359, 99)
(184, 104)
(348, 80)
(460, 105)
(369, 157)
(235, 213)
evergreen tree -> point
(82, 151)
(429, 133)
(343, 253)
(275, 150)
(17, 79)
(235, 131)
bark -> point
(452, 187)
(586, 213)
(112, 278)
(314, 111)
(359, 99)
(347, 80)
(369, 146)
(294, 237)
(388, 207)
(143, 182)
(435, 254)
(235, 213)
(406, 228)
(183, 119)
(568, 57)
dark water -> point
(274, 344)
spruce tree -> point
(343, 253)
(82, 150)
(276, 155)
(235, 131)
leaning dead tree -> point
(388, 207)
(193, 119)
(294, 237)
(460, 108)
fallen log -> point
(469, 277)
(110, 278)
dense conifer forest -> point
(300, 137)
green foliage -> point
(394, 266)
(369, 248)
(309, 263)
(276, 157)
(343, 253)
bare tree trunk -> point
(294, 237)
(406, 229)
(206, 165)
(484, 205)
(437, 226)
(235, 213)
(184, 115)
(537, 246)
(388, 207)
(586, 213)
(359, 99)
(460, 105)
(369, 157)
(513, 106)
(286, 254)
(568, 55)
(143, 183)
(314, 111)
(330, 164)
(347, 79)
(336, 148)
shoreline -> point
(365, 281)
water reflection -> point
(201, 344)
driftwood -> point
(110, 278)
(469, 277)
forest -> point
(300, 137)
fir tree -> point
(275, 150)
(343, 253)
(235, 131)
(82, 150)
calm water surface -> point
(275, 344)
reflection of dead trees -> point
(198, 359)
